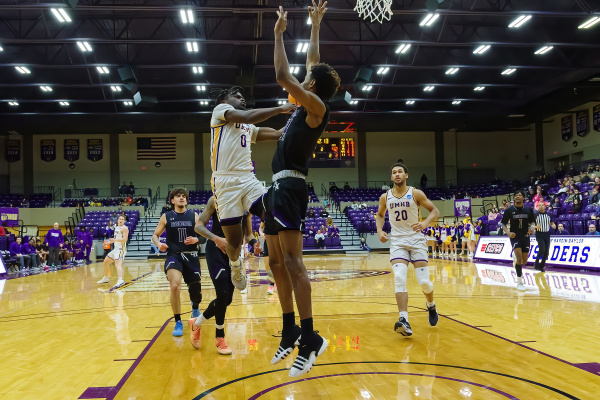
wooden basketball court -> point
(65, 337)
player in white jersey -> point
(117, 254)
(408, 245)
(234, 184)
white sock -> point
(200, 320)
(404, 314)
(432, 304)
(220, 326)
(235, 263)
(520, 280)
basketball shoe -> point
(222, 346)
(238, 277)
(403, 327)
(287, 345)
(194, 332)
(433, 315)
(307, 356)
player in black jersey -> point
(286, 201)
(219, 270)
(182, 253)
(522, 222)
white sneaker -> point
(238, 275)
(103, 280)
(520, 286)
(120, 283)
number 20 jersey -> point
(403, 212)
(180, 226)
(230, 143)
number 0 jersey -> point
(403, 212)
(180, 226)
(230, 143)
(119, 235)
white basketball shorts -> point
(234, 194)
(409, 248)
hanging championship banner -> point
(462, 207)
(596, 116)
(13, 150)
(71, 149)
(566, 127)
(10, 216)
(48, 149)
(582, 122)
(94, 149)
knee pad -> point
(422, 275)
(400, 272)
(195, 290)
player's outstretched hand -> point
(163, 247)
(316, 12)
(288, 107)
(221, 243)
(512, 235)
(418, 227)
(190, 240)
(281, 24)
(111, 240)
(383, 237)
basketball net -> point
(376, 10)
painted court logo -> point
(492, 248)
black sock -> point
(177, 317)
(195, 306)
(308, 331)
(220, 332)
(519, 270)
(289, 320)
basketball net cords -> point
(376, 10)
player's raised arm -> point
(265, 133)
(434, 213)
(257, 115)
(315, 14)
(380, 219)
(313, 104)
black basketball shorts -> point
(285, 204)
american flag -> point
(156, 148)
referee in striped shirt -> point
(542, 234)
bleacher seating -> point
(107, 202)
(40, 200)
(10, 199)
(98, 220)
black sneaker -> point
(433, 315)
(307, 355)
(287, 345)
(403, 327)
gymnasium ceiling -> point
(235, 46)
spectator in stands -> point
(312, 231)
(329, 222)
(332, 188)
(585, 178)
(493, 214)
(114, 217)
(311, 213)
(323, 229)
(592, 230)
(124, 189)
(363, 205)
(363, 244)
(311, 188)
(459, 195)
(110, 230)
(576, 208)
(385, 187)
(95, 203)
(561, 230)
(334, 231)
(595, 197)
(2, 230)
(140, 201)
(564, 188)
(32, 253)
(423, 181)
(530, 194)
(571, 195)
(597, 182)
(65, 253)
(324, 213)
(320, 239)
(131, 188)
(165, 208)
(346, 186)
(505, 205)
(17, 250)
(355, 205)
(540, 201)
(24, 203)
(123, 202)
(467, 195)
(538, 194)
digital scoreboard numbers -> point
(333, 153)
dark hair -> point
(221, 94)
(179, 190)
(326, 79)
(400, 165)
(519, 191)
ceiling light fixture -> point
(198, 70)
(589, 23)
(367, 88)
(64, 103)
(302, 47)
(482, 49)
(508, 71)
(309, 21)
(479, 88)
(187, 16)
(115, 88)
(128, 103)
(403, 48)
(13, 104)
(61, 15)
(192, 47)
(517, 23)
(203, 102)
(428, 88)
(383, 71)
(102, 70)
(84, 46)
(516, 115)
(410, 102)
(429, 19)
(456, 102)
(201, 88)
(1, 48)
(46, 88)
(294, 70)
(353, 102)
(23, 70)
(452, 71)
(544, 50)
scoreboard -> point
(333, 153)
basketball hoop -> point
(376, 10)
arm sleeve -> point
(254, 133)
(218, 115)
